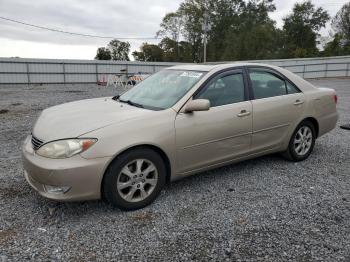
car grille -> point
(37, 143)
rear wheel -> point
(134, 179)
(302, 142)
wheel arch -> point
(314, 122)
(135, 147)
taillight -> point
(335, 99)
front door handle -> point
(298, 102)
(243, 113)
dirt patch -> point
(12, 192)
(7, 235)
(4, 111)
(144, 217)
(241, 221)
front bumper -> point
(82, 177)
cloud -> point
(112, 18)
(119, 18)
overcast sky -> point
(119, 18)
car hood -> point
(75, 119)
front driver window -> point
(224, 90)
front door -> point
(220, 134)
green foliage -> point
(103, 54)
(334, 47)
(172, 25)
(119, 50)
(341, 23)
(149, 52)
(239, 30)
(301, 29)
(252, 35)
(176, 51)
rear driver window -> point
(291, 89)
(265, 85)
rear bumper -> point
(80, 177)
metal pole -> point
(28, 77)
(205, 48)
(96, 72)
(325, 72)
(347, 69)
(205, 28)
(64, 72)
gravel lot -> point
(265, 209)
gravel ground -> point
(265, 209)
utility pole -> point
(205, 28)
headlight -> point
(65, 148)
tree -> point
(334, 47)
(341, 23)
(149, 52)
(169, 47)
(119, 50)
(176, 52)
(252, 34)
(172, 27)
(301, 29)
(103, 54)
(239, 30)
(193, 13)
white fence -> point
(38, 71)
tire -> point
(134, 179)
(295, 153)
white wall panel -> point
(13, 78)
(317, 67)
(13, 67)
(46, 78)
(111, 69)
(84, 71)
(80, 68)
(81, 78)
(45, 68)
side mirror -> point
(197, 105)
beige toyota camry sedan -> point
(177, 122)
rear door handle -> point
(243, 113)
(298, 102)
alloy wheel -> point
(303, 140)
(137, 180)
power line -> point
(73, 33)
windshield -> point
(162, 90)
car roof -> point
(301, 83)
(209, 67)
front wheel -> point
(302, 142)
(134, 179)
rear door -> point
(277, 106)
(220, 134)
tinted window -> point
(265, 84)
(224, 90)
